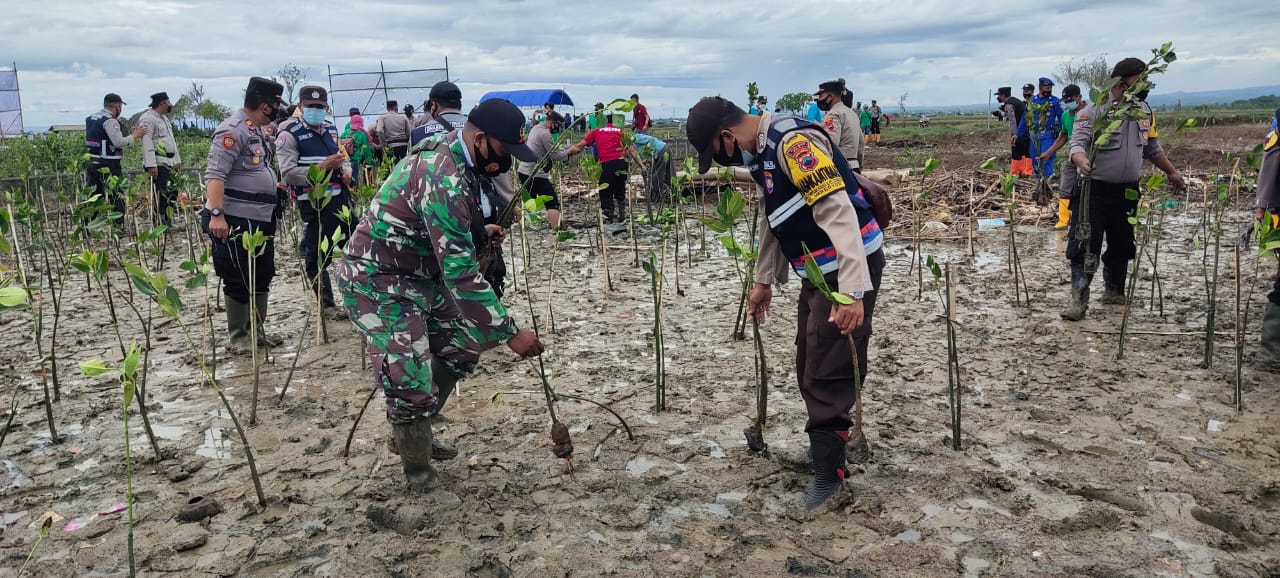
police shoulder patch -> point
(830, 123)
(811, 169)
(1272, 139)
(280, 141)
(228, 142)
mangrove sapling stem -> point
(1157, 286)
(128, 465)
(44, 531)
(755, 433)
(13, 412)
(953, 360)
(558, 395)
(346, 449)
(1239, 385)
(302, 337)
(631, 230)
(1129, 292)
(37, 319)
(604, 251)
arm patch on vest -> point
(811, 170)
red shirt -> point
(608, 142)
(640, 116)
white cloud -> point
(671, 52)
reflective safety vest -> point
(312, 149)
(96, 139)
(790, 216)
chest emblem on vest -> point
(800, 151)
(768, 182)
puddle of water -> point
(973, 567)
(718, 454)
(594, 536)
(930, 510)
(1215, 425)
(1202, 563)
(8, 518)
(16, 479)
(981, 504)
(960, 537)
(215, 446)
(908, 536)
(640, 465)
(731, 497)
(172, 433)
(717, 510)
(86, 465)
(1183, 397)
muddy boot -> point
(827, 451)
(1079, 295)
(264, 340)
(1064, 214)
(331, 309)
(859, 451)
(414, 442)
(1113, 283)
(238, 342)
(1271, 336)
(445, 381)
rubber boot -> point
(414, 442)
(331, 309)
(445, 381)
(264, 340)
(1113, 284)
(1271, 335)
(1079, 295)
(1064, 214)
(238, 342)
(827, 450)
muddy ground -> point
(1074, 463)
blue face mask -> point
(313, 116)
(1072, 105)
(748, 158)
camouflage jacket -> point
(418, 228)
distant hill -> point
(1198, 98)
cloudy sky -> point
(939, 52)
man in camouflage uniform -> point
(412, 285)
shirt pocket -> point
(252, 154)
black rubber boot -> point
(414, 442)
(264, 340)
(1113, 279)
(445, 381)
(1079, 295)
(827, 450)
(238, 342)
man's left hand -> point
(496, 234)
(346, 179)
(846, 317)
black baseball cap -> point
(313, 95)
(1028, 86)
(1071, 90)
(833, 86)
(353, 111)
(158, 98)
(1005, 91)
(1128, 67)
(502, 120)
(266, 87)
(112, 98)
(705, 120)
(445, 91)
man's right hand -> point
(331, 162)
(525, 344)
(218, 227)
(153, 171)
(1013, 140)
(1082, 164)
(759, 302)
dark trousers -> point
(660, 175)
(398, 152)
(824, 363)
(231, 260)
(1108, 218)
(101, 186)
(613, 196)
(165, 197)
(319, 225)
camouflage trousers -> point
(407, 320)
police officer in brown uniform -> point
(813, 209)
(241, 197)
(1115, 169)
(841, 121)
(160, 155)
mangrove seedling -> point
(255, 244)
(917, 258)
(129, 380)
(44, 531)
(944, 282)
(651, 267)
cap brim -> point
(522, 152)
(704, 161)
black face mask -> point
(727, 160)
(555, 129)
(825, 105)
(492, 165)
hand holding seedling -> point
(525, 344)
(1081, 161)
(219, 228)
(846, 316)
(496, 234)
(759, 302)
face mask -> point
(313, 116)
(748, 158)
(730, 160)
(492, 165)
(1073, 105)
(824, 105)
(555, 129)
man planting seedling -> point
(412, 284)
(811, 200)
(1108, 144)
(1268, 213)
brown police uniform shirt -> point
(845, 129)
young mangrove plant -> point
(917, 258)
(722, 222)
(1214, 212)
(129, 380)
(946, 287)
(1007, 183)
(650, 266)
(814, 274)
(1141, 220)
(255, 244)
(755, 432)
(44, 531)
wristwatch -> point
(215, 212)
(857, 295)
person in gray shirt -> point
(392, 131)
(1114, 169)
(543, 144)
(160, 155)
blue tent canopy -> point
(535, 97)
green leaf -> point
(94, 367)
(841, 298)
(197, 280)
(11, 297)
(1132, 194)
(563, 236)
(171, 302)
(930, 166)
(128, 394)
(933, 267)
(187, 266)
(129, 369)
(988, 165)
